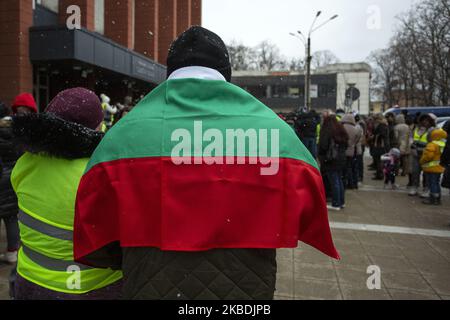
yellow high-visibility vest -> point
(46, 189)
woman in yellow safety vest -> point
(421, 134)
(58, 145)
(431, 165)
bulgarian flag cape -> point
(142, 187)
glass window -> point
(294, 92)
(52, 5)
(100, 16)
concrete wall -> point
(362, 82)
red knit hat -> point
(24, 100)
(78, 105)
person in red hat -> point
(24, 103)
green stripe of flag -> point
(152, 129)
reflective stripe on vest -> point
(431, 164)
(420, 138)
(51, 263)
(44, 228)
(441, 145)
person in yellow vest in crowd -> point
(58, 145)
(425, 126)
(430, 161)
(108, 112)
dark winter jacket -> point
(445, 162)
(327, 147)
(381, 138)
(8, 157)
(445, 159)
(306, 125)
(220, 274)
(46, 178)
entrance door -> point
(41, 88)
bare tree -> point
(241, 56)
(268, 56)
(323, 58)
(295, 64)
(416, 65)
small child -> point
(431, 165)
(391, 163)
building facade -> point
(284, 91)
(120, 49)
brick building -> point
(120, 49)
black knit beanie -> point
(198, 46)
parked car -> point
(441, 124)
(440, 112)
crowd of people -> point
(400, 144)
(93, 209)
(128, 223)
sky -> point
(362, 25)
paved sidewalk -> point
(414, 263)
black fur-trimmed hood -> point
(53, 136)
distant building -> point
(120, 50)
(283, 91)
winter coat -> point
(46, 179)
(402, 135)
(431, 156)
(381, 142)
(445, 162)
(355, 134)
(327, 142)
(306, 125)
(219, 274)
(8, 157)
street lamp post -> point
(307, 43)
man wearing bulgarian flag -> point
(192, 192)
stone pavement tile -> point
(285, 267)
(310, 255)
(352, 293)
(353, 218)
(440, 245)
(314, 272)
(445, 297)
(4, 291)
(285, 285)
(405, 281)
(409, 241)
(281, 297)
(346, 235)
(412, 295)
(315, 289)
(386, 251)
(439, 282)
(5, 270)
(353, 260)
(432, 266)
(393, 264)
(374, 238)
(354, 276)
(349, 247)
(285, 254)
